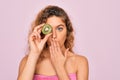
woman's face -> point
(59, 30)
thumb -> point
(47, 36)
(66, 51)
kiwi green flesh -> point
(46, 29)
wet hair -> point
(50, 11)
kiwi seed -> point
(46, 29)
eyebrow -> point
(61, 25)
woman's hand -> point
(35, 41)
(58, 59)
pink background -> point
(97, 34)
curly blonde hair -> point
(50, 11)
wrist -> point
(60, 69)
(33, 54)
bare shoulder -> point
(23, 60)
(78, 58)
(81, 59)
(22, 63)
(82, 67)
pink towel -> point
(43, 77)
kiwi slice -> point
(46, 29)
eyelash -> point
(60, 28)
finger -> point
(66, 52)
(37, 41)
(37, 36)
(58, 46)
(51, 53)
(32, 39)
(57, 43)
(52, 50)
(38, 28)
(46, 37)
(55, 46)
(33, 36)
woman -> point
(50, 57)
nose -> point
(54, 35)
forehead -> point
(54, 21)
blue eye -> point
(60, 28)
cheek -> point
(61, 38)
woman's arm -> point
(36, 44)
(58, 60)
(27, 67)
(82, 68)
